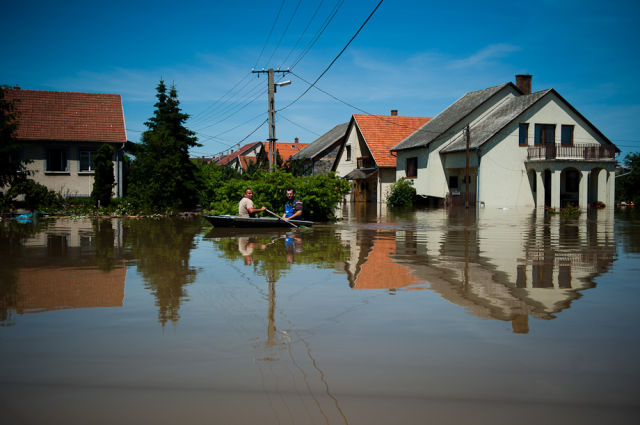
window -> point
(412, 167)
(566, 135)
(56, 160)
(86, 160)
(523, 136)
(348, 148)
(545, 134)
(453, 182)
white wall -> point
(432, 179)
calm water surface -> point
(504, 316)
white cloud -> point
(489, 54)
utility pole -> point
(271, 90)
(466, 177)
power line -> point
(298, 125)
(285, 31)
(336, 58)
(295, 46)
(270, 32)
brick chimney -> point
(523, 82)
(394, 112)
(296, 140)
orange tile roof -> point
(285, 149)
(380, 272)
(245, 161)
(224, 160)
(69, 116)
(382, 132)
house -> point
(320, 155)
(240, 159)
(285, 149)
(525, 149)
(365, 155)
(61, 133)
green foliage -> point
(36, 196)
(402, 194)
(320, 194)
(12, 168)
(103, 176)
(162, 176)
(628, 186)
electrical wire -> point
(270, 32)
(336, 58)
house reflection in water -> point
(498, 265)
(72, 264)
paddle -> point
(276, 215)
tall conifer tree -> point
(162, 175)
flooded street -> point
(500, 316)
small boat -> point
(254, 222)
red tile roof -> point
(224, 160)
(245, 161)
(53, 115)
(285, 149)
(382, 132)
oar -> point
(276, 215)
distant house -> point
(525, 149)
(285, 149)
(61, 133)
(365, 155)
(320, 155)
(240, 159)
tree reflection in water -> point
(161, 250)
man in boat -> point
(246, 208)
(293, 206)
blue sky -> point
(414, 56)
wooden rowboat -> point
(257, 222)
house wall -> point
(358, 149)
(387, 176)
(72, 182)
(324, 162)
(432, 178)
(503, 178)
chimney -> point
(296, 140)
(523, 82)
(394, 112)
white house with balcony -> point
(521, 149)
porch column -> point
(611, 189)
(539, 189)
(583, 201)
(603, 187)
(555, 188)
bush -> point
(320, 194)
(402, 194)
(36, 196)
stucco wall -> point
(72, 182)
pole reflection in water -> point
(272, 247)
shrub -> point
(36, 196)
(402, 194)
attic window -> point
(348, 147)
(566, 135)
(523, 136)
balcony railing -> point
(570, 152)
(365, 162)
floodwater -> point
(432, 316)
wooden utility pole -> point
(271, 90)
(466, 176)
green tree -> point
(12, 167)
(628, 186)
(103, 176)
(162, 176)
